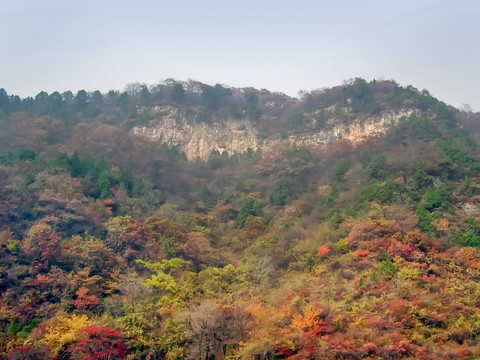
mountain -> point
(189, 221)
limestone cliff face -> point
(357, 131)
(198, 139)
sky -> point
(284, 46)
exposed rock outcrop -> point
(199, 139)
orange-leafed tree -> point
(324, 251)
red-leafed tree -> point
(29, 353)
(99, 344)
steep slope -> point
(340, 226)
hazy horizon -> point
(58, 46)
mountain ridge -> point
(351, 232)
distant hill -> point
(197, 118)
(189, 221)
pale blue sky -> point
(282, 46)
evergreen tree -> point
(178, 94)
(375, 166)
(126, 181)
(341, 169)
(75, 165)
(103, 184)
(250, 207)
(138, 189)
(424, 220)
(280, 192)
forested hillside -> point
(114, 246)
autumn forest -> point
(115, 246)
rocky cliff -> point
(199, 139)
